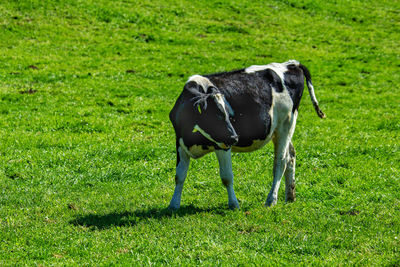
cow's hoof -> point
(234, 205)
(270, 203)
(290, 195)
(271, 200)
(290, 199)
(173, 207)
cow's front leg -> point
(225, 171)
(180, 176)
(290, 175)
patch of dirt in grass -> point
(29, 91)
(350, 212)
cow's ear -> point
(212, 90)
(194, 88)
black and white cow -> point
(241, 111)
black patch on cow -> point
(275, 80)
(294, 82)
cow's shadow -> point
(127, 218)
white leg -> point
(282, 138)
(280, 160)
(225, 171)
(180, 176)
(290, 175)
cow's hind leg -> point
(225, 171)
(284, 153)
(280, 160)
(290, 174)
(180, 176)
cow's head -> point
(212, 117)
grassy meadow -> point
(87, 152)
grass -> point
(87, 152)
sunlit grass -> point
(87, 153)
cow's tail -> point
(311, 91)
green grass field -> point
(87, 152)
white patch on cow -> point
(202, 81)
(278, 68)
(225, 105)
(282, 106)
(312, 93)
(195, 151)
(314, 99)
(221, 102)
(255, 68)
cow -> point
(241, 111)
